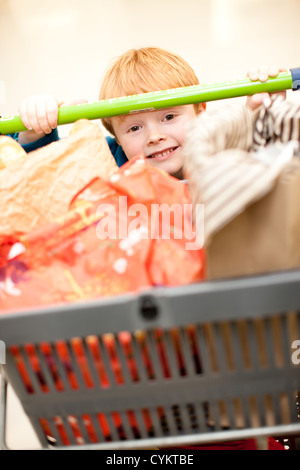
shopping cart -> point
(202, 363)
(206, 362)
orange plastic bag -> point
(128, 233)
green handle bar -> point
(164, 99)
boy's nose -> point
(155, 138)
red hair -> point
(145, 70)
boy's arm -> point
(41, 142)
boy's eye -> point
(168, 117)
(134, 128)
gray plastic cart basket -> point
(206, 362)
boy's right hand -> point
(39, 115)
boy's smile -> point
(162, 155)
(159, 135)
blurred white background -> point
(63, 47)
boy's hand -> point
(262, 74)
(39, 115)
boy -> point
(158, 134)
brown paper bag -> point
(242, 168)
(263, 238)
(10, 151)
(36, 190)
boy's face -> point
(159, 135)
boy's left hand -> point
(262, 74)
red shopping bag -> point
(125, 234)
